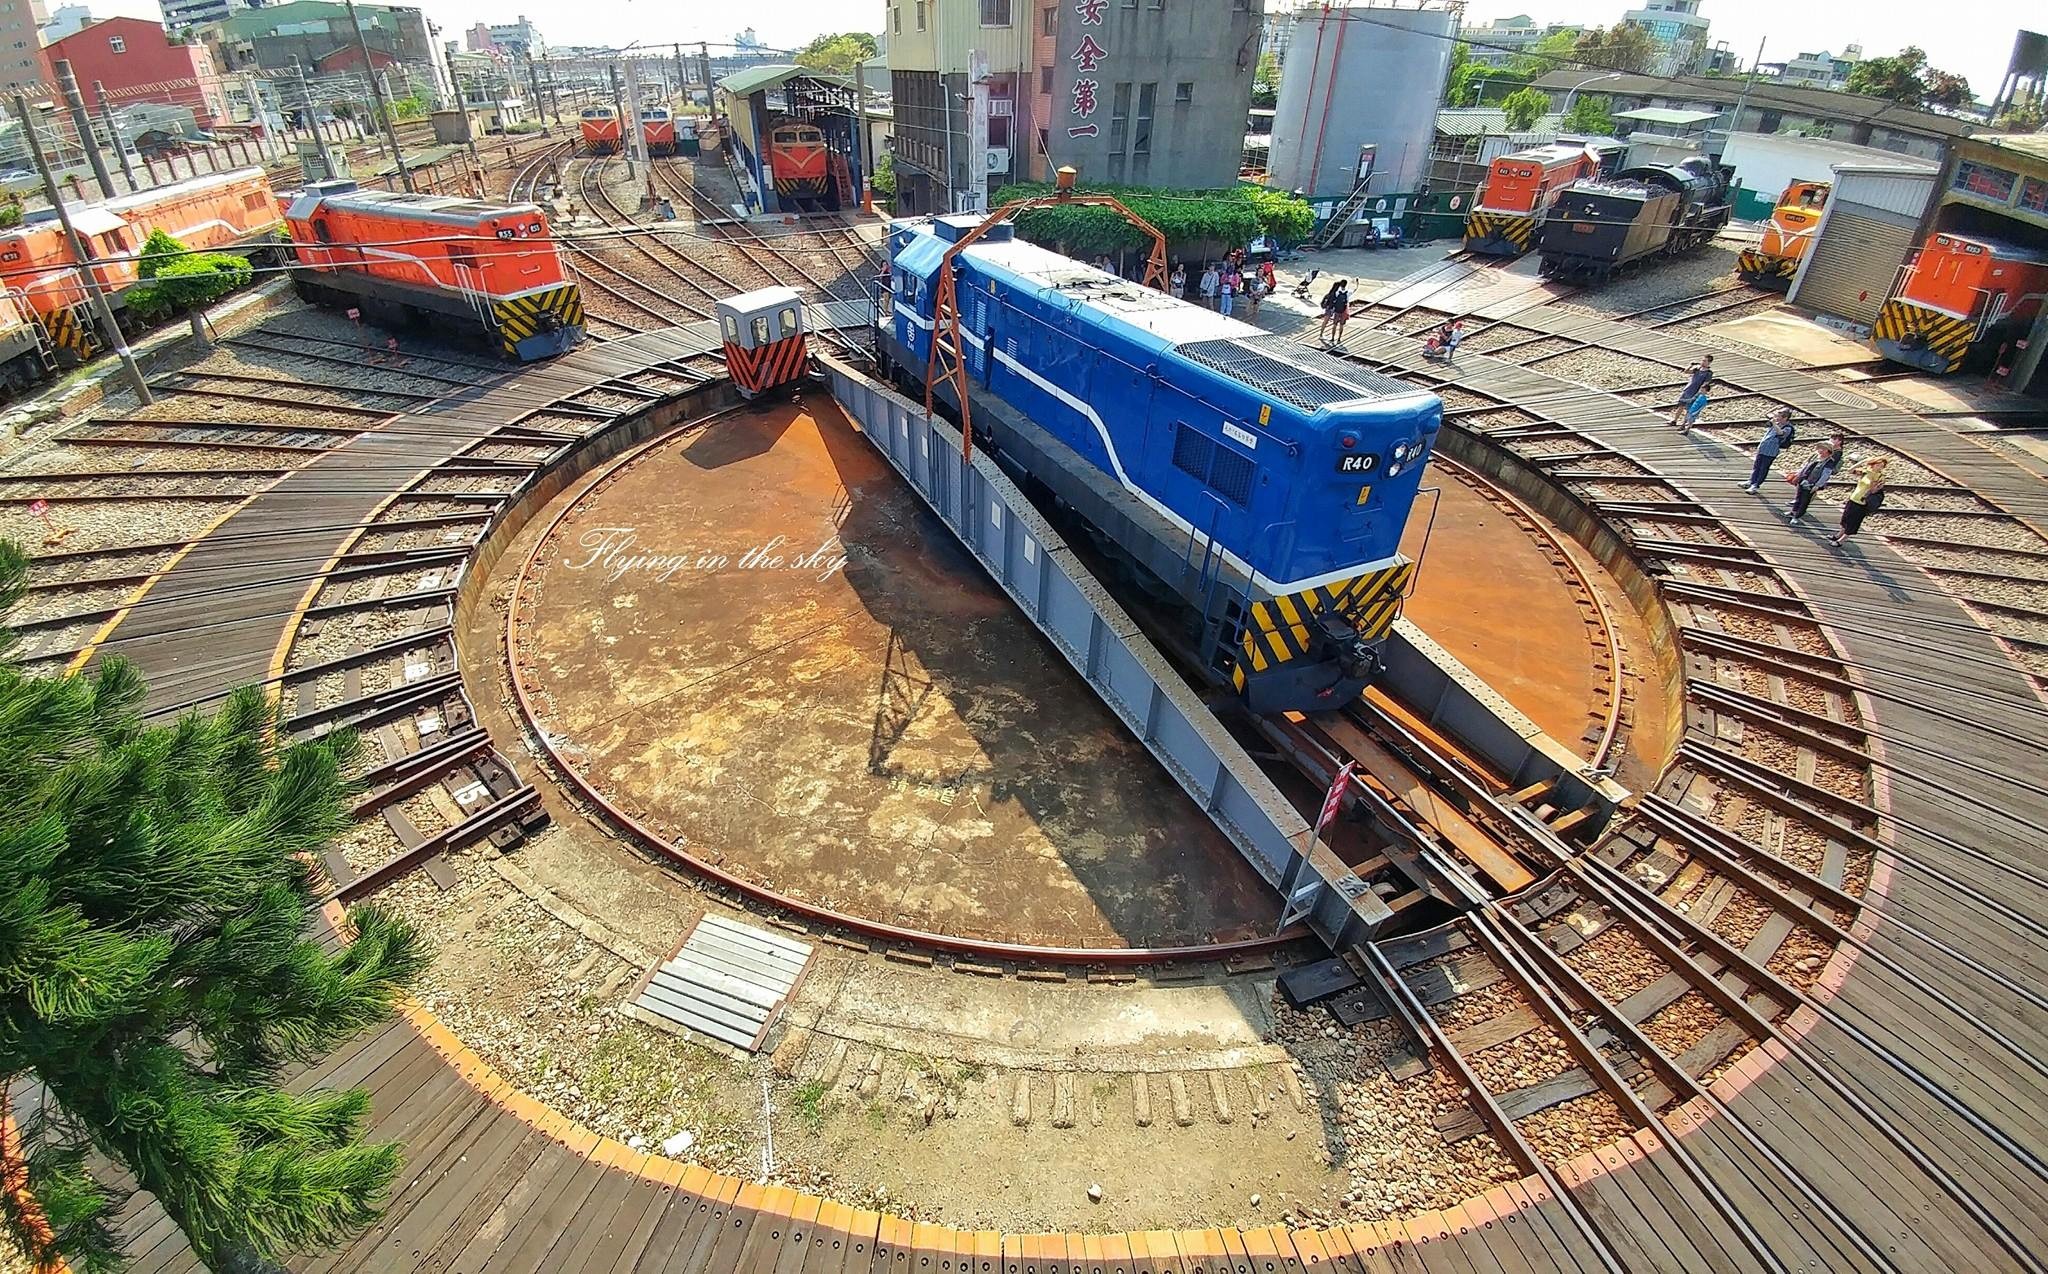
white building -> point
(518, 39)
(68, 20)
(1678, 29)
(1823, 69)
(1504, 39)
(182, 14)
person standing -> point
(1268, 277)
(1211, 281)
(1866, 499)
(1691, 415)
(1698, 379)
(1232, 281)
(1340, 309)
(1780, 435)
(1813, 475)
(1254, 291)
(1178, 284)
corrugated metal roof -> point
(2032, 145)
(756, 78)
(1819, 103)
(1665, 115)
(1480, 121)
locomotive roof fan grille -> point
(1294, 374)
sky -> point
(1970, 37)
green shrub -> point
(1233, 216)
(176, 279)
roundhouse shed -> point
(1869, 226)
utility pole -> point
(636, 144)
(383, 107)
(99, 90)
(704, 56)
(110, 330)
(619, 113)
(1735, 120)
(860, 137)
(259, 123)
(533, 86)
(682, 77)
(327, 169)
(67, 84)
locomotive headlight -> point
(1394, 469)
(1348, 441)
(1400, 451)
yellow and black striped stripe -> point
(1278, 630)
(1943, 335)
(522, 316)
(1754, 263)
(72, 331)
(1512, 228)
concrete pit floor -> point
(755, 640)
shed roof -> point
(756, 79)
(1818, 103)
(2032, 145)
(1481, 121)
(1665, 115)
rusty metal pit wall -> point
(1666, 670)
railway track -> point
(1779, 754)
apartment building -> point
(1138, 92)
(21, 44)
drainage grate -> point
(727, 981)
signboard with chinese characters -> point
(1087, 56)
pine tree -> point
(157, 975)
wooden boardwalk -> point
(1924, 1156)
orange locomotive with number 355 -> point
(491, 272)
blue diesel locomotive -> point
(1260, 486)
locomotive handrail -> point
(947, 358)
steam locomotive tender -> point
(1600, 226)
(1252, 489)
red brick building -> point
(138, 63)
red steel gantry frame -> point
(946, 360)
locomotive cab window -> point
(760, 331)
(732, 328)
(787, 318)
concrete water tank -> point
(1357, 77)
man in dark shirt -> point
(1697, 380)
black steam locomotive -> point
(1600, 225)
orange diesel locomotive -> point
(658, 130)
(1786, 237)
(491, 271)
(1961, 296)
(797, 160)
(1519, 189)
(600, 130)
(220, 211)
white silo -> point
(1354, 78)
